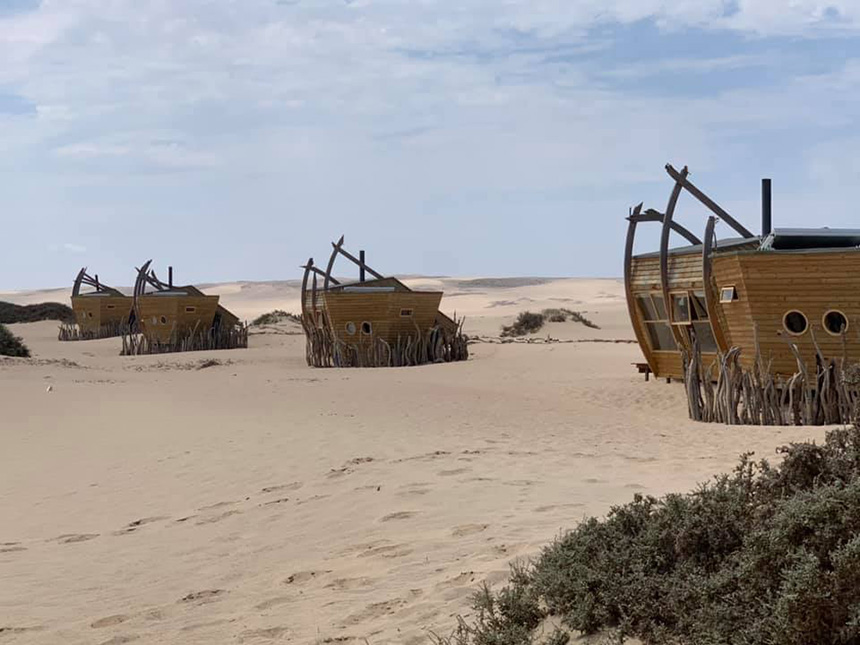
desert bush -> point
(274, 317)
(526, 323)
(12, 313)
(11, 345)
(761, 555)
(529, 323)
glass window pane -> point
(661, 336)
(660, 306)
(647, 307)
(705, 336)
(680, 307)
(700, 306)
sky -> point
(233, 139)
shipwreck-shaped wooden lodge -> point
(781, 299)
(100, 312)
(179, 318)
(376, 322)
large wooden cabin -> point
(374, 322)
(759, 293)
(180, 318)
(100, 312)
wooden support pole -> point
(361, 266)
(681, 179)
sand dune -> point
(258, 500)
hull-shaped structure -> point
(166, 315)
(102, 312)
(378, 322)
(178, 319)
(96, 311)
(784, 298)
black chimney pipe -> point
(361, 268)
(170, 277)
(766, 211)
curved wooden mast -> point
(332, 258)
(633, 221)
(76, 288)
(683, 343)
(711, 300)
(307, 267)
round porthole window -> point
(366, 328)
(164, 320)
(350, 328)
(835, 322)
(90, 314)
(795, 323)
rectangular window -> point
(406, 313)
(700, 306)
(190, 310)
(111, 306)
(705, 336)
(728, 294)
(681, 308)
(653, 312)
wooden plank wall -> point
(91, 312)
(172, 308)
(771, 283)
(382, 310)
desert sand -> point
(258, 500)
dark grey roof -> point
(785, 239)
(720, 245)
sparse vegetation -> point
(274, 317)
(12, 345)
(529, 323)
(12, 313)
(762, 555)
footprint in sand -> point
(303, 576)
(120, 640)
(388, 551)
(217, 505)
(400, 515)
(375, 610)
(131, 527)
(280, 500)
(12, 549)
(468, 529)
(201, 597)
(12, 631)
(282, 487)
(73, 538)
(273, 602)
(552, 507)
(110, 621)
(216, 518)
(269, 634)
(348, 584)
(452, 472)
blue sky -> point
(234, 138)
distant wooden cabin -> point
(376, 321)
(760, 293)
(100, 312)
(181, 318)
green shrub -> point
(11, 345)
(274, 317)
(12, 313)
(529, 323)
(762, 555)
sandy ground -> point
(258, 500)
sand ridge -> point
(257, 500)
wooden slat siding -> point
(376, 282)
(685, 272)
(101, 315)
(173, 308)
(382, 311)
(769, 284)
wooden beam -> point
(664, 259)
(711, 299)
(681, 179)
(635, 319)
(320, 273)
(331, 260)
(361, 265)
(308, 267)
(656, 216)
